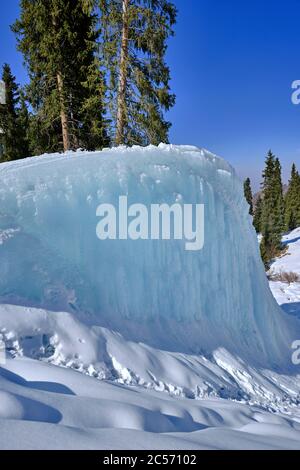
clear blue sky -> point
(232, 64)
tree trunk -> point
(121, 103)
(63, 114)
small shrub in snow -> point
(283, 276)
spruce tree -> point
(134, 36)
(272, 216)
(279, 223)
(23, 120)
(258, 214)
(297, 199)
(13, 128)
(58, 39)
(248, 194)
(292, 201)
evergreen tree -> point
(258, 214)
(248, 194)
(58, 39)
(11, 124)
(279, 223)
(134, 35)
(23, 120)
(272, 216)
(265, 252)
(292, 201)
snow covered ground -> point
(46, 407)
(78, 375)
(288, 295)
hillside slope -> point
(288, 294)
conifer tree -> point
(272, 216)
(258, 214)
(11, 123)
(279, 223)
(292, 201)
(248, 194)
(58, 39)
(134, 35)
(23, 120)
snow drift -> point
(46, 407)
(152, 291)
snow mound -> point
(60, 339)
(47, 407)
(149, 290)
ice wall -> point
(149, 290)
